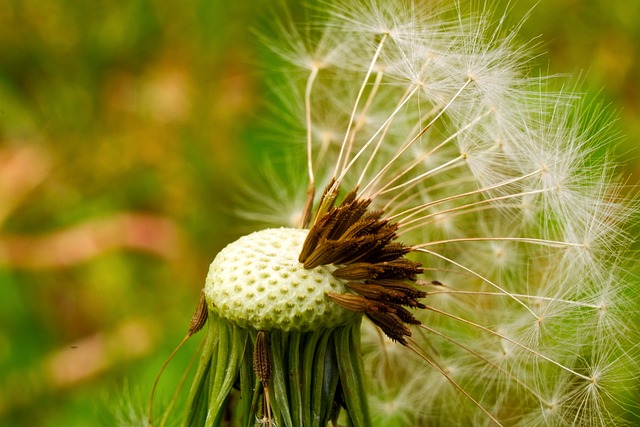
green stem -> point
(295, 385)
(347, 340)
(325, 372)
(280, 400)
(197, 401)
(308, 381)
(249, 388)
(306, 370)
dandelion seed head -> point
(465, 217)
(257, 282)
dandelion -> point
(456, 257)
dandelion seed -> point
(464, 220)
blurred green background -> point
(125, 129)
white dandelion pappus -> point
(431, 114)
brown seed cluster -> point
(362, 244)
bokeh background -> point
(126, 130)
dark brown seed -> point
(358, 271)
(261, 357)
(200, 316)
(391, 325)
(404, 314)
(407, 288)
(380, 293)
(350, 301)
(389, 252)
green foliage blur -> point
(126, 128)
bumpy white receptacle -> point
(257, 282)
